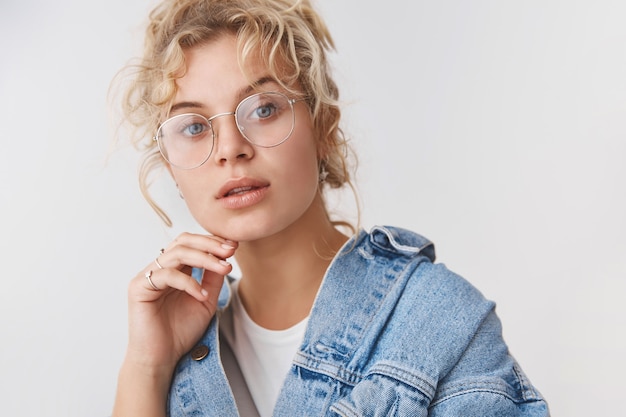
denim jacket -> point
(390, 334)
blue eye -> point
(194, 129)
(265, 111)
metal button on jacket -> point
(199, 352)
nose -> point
(229, 145)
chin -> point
(241, 231)
(249, 230)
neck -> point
(281, 274)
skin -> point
(279, 233)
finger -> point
(211, 281)
(182, 258)
(207, 243)
(162, 281)
(195, 250)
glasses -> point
(264, 119)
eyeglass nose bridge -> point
(230, 113)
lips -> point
(239, 190)
(242, 193)
(240, 187)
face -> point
(243, 192)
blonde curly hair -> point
(287, 35)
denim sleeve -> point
(487, 381)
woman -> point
(239, 105)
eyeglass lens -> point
(264, 119)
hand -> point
(165, 323)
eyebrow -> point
(241, 94)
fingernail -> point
(227, 246)
(223, 262)
(204, 292)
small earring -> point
(323, 174)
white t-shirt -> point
(263, 355)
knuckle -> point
(184, 235)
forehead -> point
(215, 62)
(217, 66)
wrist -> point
(141, 368)
(142, 389)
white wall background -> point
(495, 128)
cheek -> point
(190, 186)
(303, 178)
(302, 162)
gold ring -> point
(149, 278)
